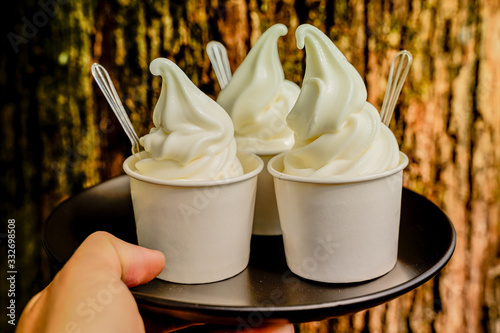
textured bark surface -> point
(58, 134)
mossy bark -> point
(59, 136)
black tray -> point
(266, 291)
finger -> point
(288, 328)
(160, 323)
(277, 328)
(138, 264)
(133, 264)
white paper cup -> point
(340, 231)
(266, 219)
(202, 227)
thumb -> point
(132, 264)
(138, 264)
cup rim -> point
(264, 152)
(403, 162)
(195, 183)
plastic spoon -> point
(218, 58)
(395, 84)
(104, 82)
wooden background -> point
(58, 135)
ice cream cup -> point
(202, 227)
(342, 230)
(266, 219)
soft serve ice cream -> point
(258, 98)
(190, 189)
(337, 132)
(192, 138)
(341, 183)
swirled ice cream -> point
(192, 138)
(337, 132)
(258, 98)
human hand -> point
(90, 293)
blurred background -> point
(58, 136)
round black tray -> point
(266, 291)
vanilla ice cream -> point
(258, 98)
(337, 132)
(192, 138)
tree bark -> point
(59, 135)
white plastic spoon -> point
(218, 58)
(104, 82)
(395, 84)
